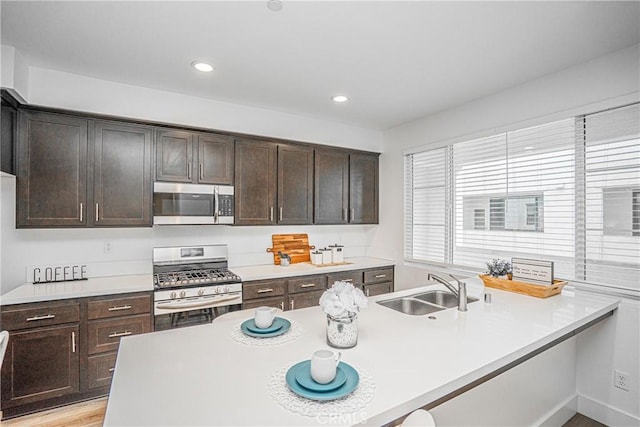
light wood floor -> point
(83, 414)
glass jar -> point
(342, 332)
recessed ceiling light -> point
(274, 5)
(340, 98)
(202, 66)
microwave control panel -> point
(226, 205)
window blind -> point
(567, 191)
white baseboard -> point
(560, 414)
(605, 414)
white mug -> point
(264, 316)
(323, 365)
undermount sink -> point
(424, 302)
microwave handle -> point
(216, 205)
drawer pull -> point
(292, 304)
(112, 369)
(73, 342)
(380, 276)
(367, 292)
(35, 318)
(118, 308)
(348, 280)
(264, 291)
(282, 305)
(308, 285)
(119, 334)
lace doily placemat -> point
(350, 404)
(295, 331)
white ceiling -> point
(397, 61)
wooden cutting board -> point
(294, 245)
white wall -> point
(605, 82)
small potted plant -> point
(499, 268)
(342, 302)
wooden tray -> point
(539, 291)
(294, 245)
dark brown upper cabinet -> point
(255, 183)
(346, 187)
(8, 137)
(51, 172)
(295, 184)
(122, 175)
(331, 195)
(363, 188)
(204, 158)
(74, 172)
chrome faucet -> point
(461, 292)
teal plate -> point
(251, 325)
(348, 387)
(285, 325)
(303, 377)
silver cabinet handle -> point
(282, 305)
(73, 342)
(81, 212)
(112, 369)
(280, 214)
(120, 334)
(292, 304)
(353, 214)
(264, 291)
(35, 318)
(308, 285)
(367, 291)
(201, 171)
(271, 214)
(97, 216)
(380, 276)
(120, 307)
(344, 214)
(189, 170)
(348, 280)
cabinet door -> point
(295, 184)
(51, 170)
(255, 189)
(363, 188)
(174, 156)
(277, 302)
(377, 289)
(122, 175)
(331, 189)
(40, 364)
(215, 159)
(304, 300)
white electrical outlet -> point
(107, 247)
(621, 380)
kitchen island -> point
(201, 376)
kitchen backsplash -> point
(123, 251)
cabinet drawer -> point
(307, 284)
(104, 335)
(262, 289)
(354, 277)
(378, 275)
(119, 306)
(100, 369)
(277, 302)
(35, 316)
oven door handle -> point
(216, 205)
(195, 304)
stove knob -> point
(173, 295)
(200, 292)
(183, 294)
(226, 289)
(218, 290)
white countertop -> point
(29, 292)
(200, 376)
(272, 271)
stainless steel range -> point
(192, 285)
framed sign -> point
(532, 271)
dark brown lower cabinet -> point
(304, 299)
(64, 351)
(41, 364)
(377, 289)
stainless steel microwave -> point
(175, 203)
